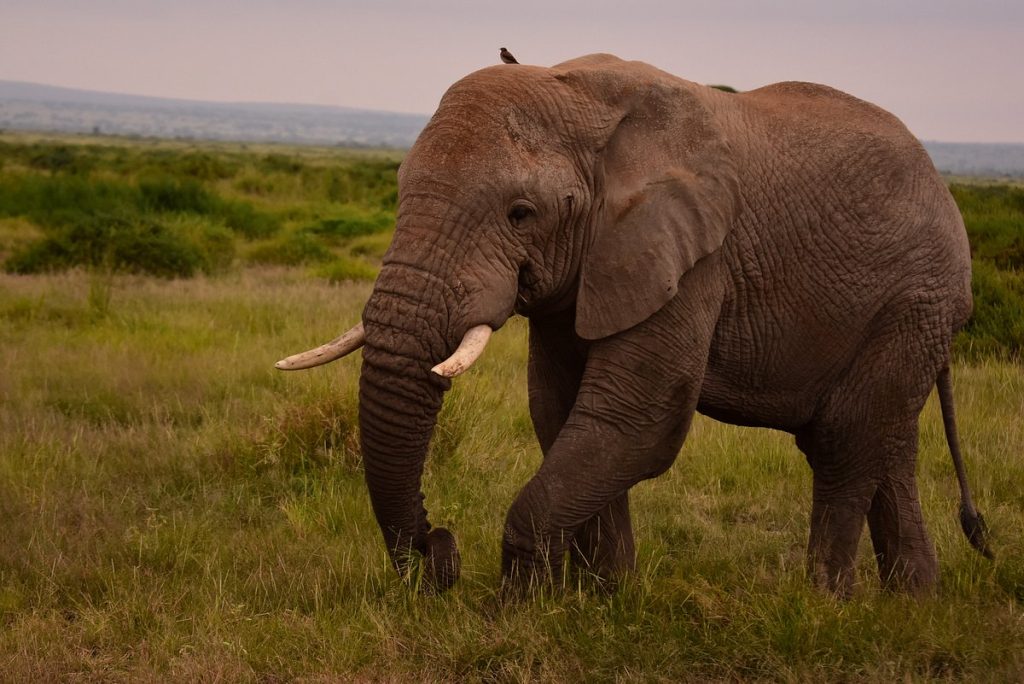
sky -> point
(953, 70)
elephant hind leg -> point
(866, 472)
(841, 501)
(905, 554)
(862, 446)
(869, 477)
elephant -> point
(786, 257)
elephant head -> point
(592, 186)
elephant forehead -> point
(527, 108)
(509, 149)
(533, 88)
(503, 124)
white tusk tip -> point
(446, 372)
(470, 349)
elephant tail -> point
(971, 520)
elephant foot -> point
(905, 554)
(526, 570)
(834, 578)
(832, 550)
(441, 563)
(603, 551)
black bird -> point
(507, 57)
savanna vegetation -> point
(177, 211)
(173, 508)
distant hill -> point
(30, 106)
(996, 160)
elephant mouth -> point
(525, 290)
(535, 297)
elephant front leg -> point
(635, 404)
(577, 502)
(603, 546)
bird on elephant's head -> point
(786, 257)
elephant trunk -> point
(399, 399)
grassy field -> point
(173, 508)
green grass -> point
(173, 508)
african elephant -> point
(786, 258)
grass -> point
(173, 508)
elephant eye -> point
(520, 212)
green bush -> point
(127, 226)
(994, 216)
(348, 268)
(246, 220)
(215, 242)
(169, 194)
(205, 166)
(280, 163)
(63, 199)
(116, 243)
(368, 182)
(996, 329)
(292, 249)
(349, 222)
(373, 246)
(60, 158)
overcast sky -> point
(951, 69)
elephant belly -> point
(751, 404)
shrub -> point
(60, 158)
(205, 166)
(994, 216)
(117, 243)
(216, 244)
(64, 199)
(350, 222)
(244, 219)
(368, 182)
(348, 268)
(290, 250)
(997, 326)
(252, 183)
(373, 246)
(279, 163)
(169, 194)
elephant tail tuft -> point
(971, 521)
(973, 525)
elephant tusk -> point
(325, 353)
(470, 349)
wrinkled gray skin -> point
(786, 258)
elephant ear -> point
(669, 192)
